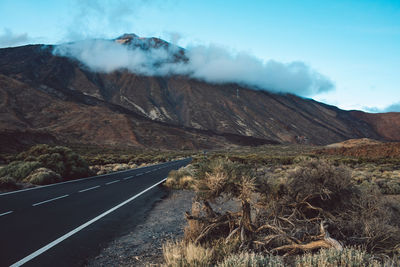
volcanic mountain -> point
(46, 97)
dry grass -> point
(181, 178)
(348, 257)
(246, 259)
(43, 176)
(180, 254)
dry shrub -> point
(334, 258)
(186, 182)
(371, 222)
(318, 191)
(246, 259)
(180, 254)
(316, 206)
(319, 183)
(224, 178)
(43, 176)
(181, 178)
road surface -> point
(64, 224)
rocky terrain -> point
(48, 98)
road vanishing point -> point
(64, 224)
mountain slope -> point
(43, 92)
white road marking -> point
(67, 235)
(148, 171)
(5, 213)
(139, 174)
(90, 188)
(40, 203)
(129, 177)
(116, 181)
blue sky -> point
(356, 44)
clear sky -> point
(355, 43)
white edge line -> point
(5, 213)
(39, 203)
(87, 189)
(62, 238)
(116, 181)
(87, 178)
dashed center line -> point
(139, 174)
(40, 203)
(90, 188)
(5, 213)
(116, 181)
(148, 171)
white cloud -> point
(395, 107)
(9, 38)
(209, 63)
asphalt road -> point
(64, 224)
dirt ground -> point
(143, 245)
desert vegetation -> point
(40, 165)
(44, 164)
(293, 209)
(108, 159)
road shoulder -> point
(143, 244)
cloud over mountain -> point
(211, 63)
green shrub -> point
(61, 160)
(19, 169)
(8, 183)
(43, 176)
(389, 187)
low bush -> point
(43, 164)
(181, 179)
(43, 176)
(389, 187)
(180, 254)
(335, 258)
(246, 259)
(8, 183)
(61, 160)
(19, 169)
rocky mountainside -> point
(45, 96)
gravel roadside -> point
(143, 245)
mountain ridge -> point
(187, 112)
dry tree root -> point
(230, 224)
(212, 222)
(325, 242)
